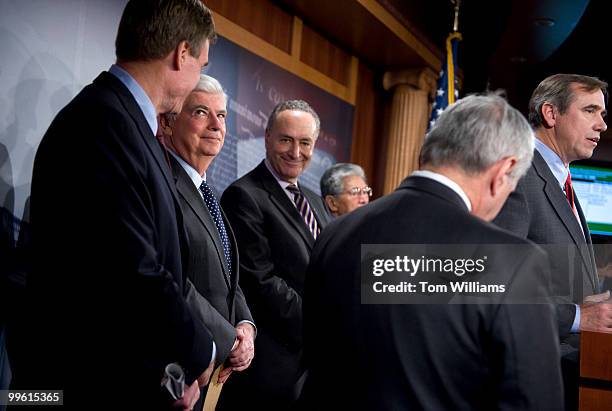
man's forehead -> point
(581, 93)
(214, 101)
(291, 113)
(294, 118)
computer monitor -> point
(592, 182)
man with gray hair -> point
(470, 356)
(567, 112)
(344, 188)
(276, 221)
(195, 136)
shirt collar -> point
(445, 181)
(141, 97)
(191, 172)
(284, 184)
(554, 162)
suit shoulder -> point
(94, 108)
(242, 193)
(500, 235)
(529, 180)
(238, 188)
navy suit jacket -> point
(108, 287)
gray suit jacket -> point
(538, 210)
(217, 294)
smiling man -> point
(276, 221)
(567, 112)
(195, 137)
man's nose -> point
(214, 123)
(295, 150)
(601, 124)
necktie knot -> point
(206, 189)
(293, 189)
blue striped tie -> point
(304, 209)
(215, 211)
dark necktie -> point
(215, 211)
(304, 209)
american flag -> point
(448, 86)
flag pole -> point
(446, 92)
(450, 51)
(457, 4)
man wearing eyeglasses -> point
(344, 188)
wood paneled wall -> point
(269, 31)
(367, 132)
(262, 18)
(324, 56)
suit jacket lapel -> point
(235, 261)
(559, 203)
(187, 190)
(284, 204)
(587, 251)
(316, 204)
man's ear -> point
(331, 203)
(501, 174)
(165, 125)
(549, 115)
(180, 54)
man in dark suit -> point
(483, 355)
(195, 136)
(567, 112)
(108, 289)
(276, 221)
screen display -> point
(593, 187)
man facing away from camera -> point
(109, 291)
(488, 354)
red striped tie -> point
(569, 190)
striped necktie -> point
(304, 209)
(215, 211)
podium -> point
(595, 392)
